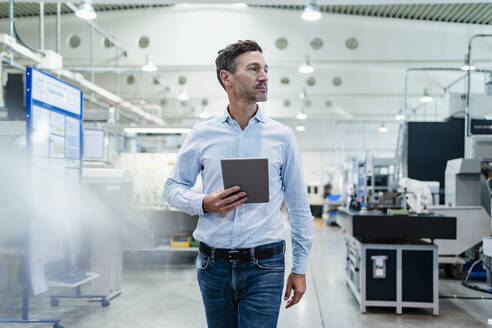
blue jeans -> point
(241, 294)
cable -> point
(465, 283)
(23, 43)
(465, 297)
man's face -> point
(250, 81)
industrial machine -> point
(462, 182)
(467, 198)
(427, 146)
(370, 184)
(388, 262)
(438, 151)
(315, 197)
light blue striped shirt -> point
(251, 224)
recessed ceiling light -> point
(468, 68)
(149, 65)
(86, 11)
(301, 115)
(306, 67)
(311, 12)
(426, 98)
(183, 96)
(204, 114)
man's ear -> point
(225, 76)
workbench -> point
(391, 261)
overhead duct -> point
(47, 62)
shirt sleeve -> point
(301, 220)
(177, 189)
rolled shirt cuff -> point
(300, 265)
(197, 204)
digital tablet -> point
(250, 174)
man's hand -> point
(222, 201)
(296, 282)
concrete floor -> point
(169, 297)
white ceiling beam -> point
(272, 2)
(11, 43)
(390, 64)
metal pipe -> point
(446, 88)
(96, 102)
(117, 77)
(11, 18)
(399, 140)
(412, 69)
(99, 30)
(413, 109)
(2, 56)
(366, 121)
(468, 84)
(401, 128)
(82, 82)
(41, 26)
(128, 117)
(450, 69)
(58, 26)
(129, 69)
(91, 55)
(10, 62)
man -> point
(241, 260)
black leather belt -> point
(242, 254)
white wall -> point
(184, 40)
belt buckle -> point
(230, 255)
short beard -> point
(262, 97)
(254, 95)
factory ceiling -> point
(465, 12)
(30, 9)
(452, 12)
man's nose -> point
(263, 76)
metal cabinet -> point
(393, 275)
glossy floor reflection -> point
(169, 297)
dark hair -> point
(228, 57)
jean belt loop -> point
(283, 246)
(252, 254)
(212, 255)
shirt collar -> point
(258, 116)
